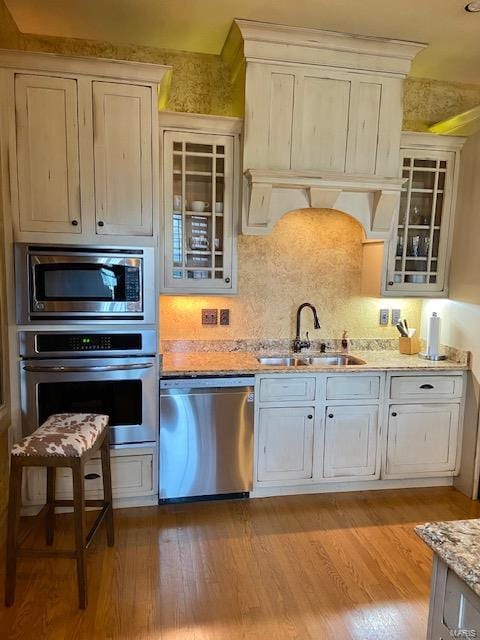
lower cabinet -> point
(422, 439)
(351, 436)
(132, 476)
(285, 443)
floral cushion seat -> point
(63, 435)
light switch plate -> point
(384, 313)
(396, 315)
(209, 316)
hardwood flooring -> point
(322, 567)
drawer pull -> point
(92, 476)
(330, 415)
(394, 414)
(427, 386)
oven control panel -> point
(74, 342)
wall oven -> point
(111, 372)
(61, 283)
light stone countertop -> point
(457, 543)
(244, 363)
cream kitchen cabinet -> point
(200, 204)
(321, 119)
(351, 441)
(82, 145)
(322, 431)
(422, 439)
(122, 143)
(415, 261)
(285, 444)
(47, 153)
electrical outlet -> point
(224, 317)
(384, 313)
(209, 316)
(396, 314)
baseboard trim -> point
(342, 487)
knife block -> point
(409, 346)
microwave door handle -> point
(109, 367)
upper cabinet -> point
(82, 143)
(418, 254)
(122, 143)
(415, 260)
(323, 116)
(48, 168)
(200, 186)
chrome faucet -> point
(298, 343)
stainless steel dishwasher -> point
(206, 437)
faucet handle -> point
(307, 341)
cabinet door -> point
(350, 441)
(285, 444)
(47, 154)
(422, 439)
(321, 116)
(123, 159)
(198, 209)
(418, 253)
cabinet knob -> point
(92, 476)
(390, 283)
(394, 414)
(75, 223)
(227, 280)
(309, 416)
(100, 223)
(330, 415)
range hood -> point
(323, 118)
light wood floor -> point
(321, 567)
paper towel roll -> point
(433, 335)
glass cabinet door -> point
(198, 208)
(418, 252)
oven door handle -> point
(108, 367)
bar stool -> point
(63, 440)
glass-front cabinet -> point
(199, 204)
(419, 251)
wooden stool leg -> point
(14, 500)
(50, 524)
(107, 488)
(80, 530)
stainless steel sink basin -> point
(282, 361)
(332, 359)
(335, 359)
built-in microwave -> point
(62, 283)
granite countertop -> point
(241, 363)
(457, 543)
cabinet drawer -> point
(353, 387)
(424, 387)
(285, 389)
(131, 476)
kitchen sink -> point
(335, 359)
(332, 359)
(282, 361)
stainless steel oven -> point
(110, 372)
(61, 283)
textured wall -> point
(310, 256)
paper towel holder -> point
(435, 358)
